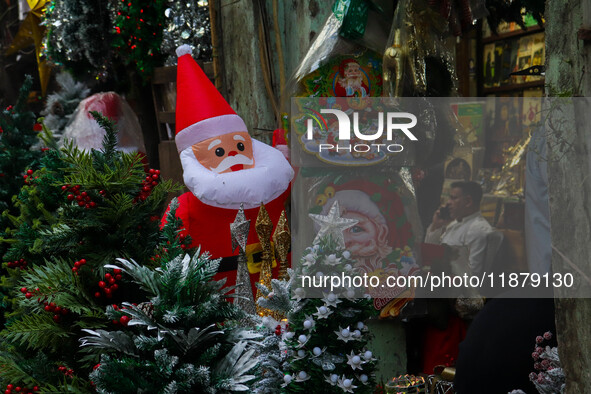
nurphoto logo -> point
(367, 135)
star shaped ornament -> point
(332, 224)
(239, 230)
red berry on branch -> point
(28, 295)
(117, 271)
(23, 290)
(124, 320)
(81, 203)
(57, 318)
(115, 287)
(102, 284)
(70, 197)
(82, 261)
(29, 172)
(97, 294)
(107, 275)
(64, 187)
(111, 281)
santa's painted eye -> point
(240, 146)
(220, 152)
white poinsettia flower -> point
(299, 294)
(302, 376)
(363, 378)
(300, 354)
(302, 340)
(309, 260)
(331, 379)
(349, 294)
(346, 384)
(287, 379)
(368, 356)
(317, 351)
(330, 299)
(344, 334)
(309, 323)
(354, 361)
(323, 312)
(332, 260)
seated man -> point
(465, 226)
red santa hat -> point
(201, 111)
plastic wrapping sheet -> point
(321, 71)
(87, 134)
(388, 233)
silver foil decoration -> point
(239, 232)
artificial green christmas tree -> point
(79, 36)
(325, 339)
(138, 27)
(182, 340)
(18, 134)
(60, 105)
(78, 213)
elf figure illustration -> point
(222, 168)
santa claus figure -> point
(223, 167)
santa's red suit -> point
(210, 227)
(206, 124)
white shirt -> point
(470, 232)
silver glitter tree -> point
(239, 231)
(187, 22)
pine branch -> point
(36, 332)
(110, 138)
(23, 94)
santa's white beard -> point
(354, 83)
(268, 179)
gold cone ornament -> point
(264, 228)
(239, 233)
(282, 241)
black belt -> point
(231, 263)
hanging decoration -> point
(282, 240)
(31, 32)
(239, 232)
(264, 227)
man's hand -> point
(438, 221)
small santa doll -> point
(223, 167)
